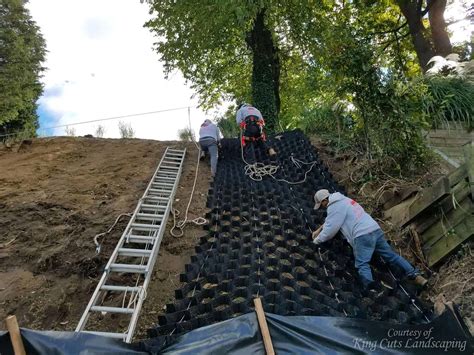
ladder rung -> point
(173, 161)
(129, 268)
(156, 198)
(173, 174)
(112, 309)
(134, 252)
(106, 334)
(152, 216)
(158, 190)
(140, 239)
(174, 158)
(120, 288)
(162, 183)
(159, 186)
(164, 178)
(169, 167)
(145, 226)
(152, 209)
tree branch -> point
(394, 30)
(389, 43)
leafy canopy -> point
(22, 50)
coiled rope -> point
(257, 171)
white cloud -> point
(101, 64)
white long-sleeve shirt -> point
(246, 111)
(349, 217)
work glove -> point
(316, 233)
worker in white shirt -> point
(209, 138)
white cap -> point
(319, 197)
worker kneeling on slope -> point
(251, 123)
(209, 138)
(363, 234)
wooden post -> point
(262, 322)
(469, 157)
(15, 337)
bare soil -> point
(56, 194)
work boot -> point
(420, 281)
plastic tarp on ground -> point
(290, 335)
(323, 335)
(66, 343)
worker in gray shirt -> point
(209, 138)
(362, 232)
(251, 123)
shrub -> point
(126, 130)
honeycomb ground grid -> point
(258, 244)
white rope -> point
(98, 246)
(199, 221)
(257, 171)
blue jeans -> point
(368, 244)
(209, 144)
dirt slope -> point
(55, 195)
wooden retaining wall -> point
(450, 142)
(441, 217)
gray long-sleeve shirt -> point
(348, 216)
(246, 111)
(209, 130)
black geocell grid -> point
(258, 244)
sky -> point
(100, 64)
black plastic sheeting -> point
(66, 343)
(324, 335)
(290, 335)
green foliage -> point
(126, 130)
(22, 50)
(397, 133)
(186, 135)
(346, 70)
(227, 123)
(451, 99)
(206, 42)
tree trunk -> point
(411, 9)
(440, 36)
(265, 71)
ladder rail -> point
(153, 257)
(155, 234)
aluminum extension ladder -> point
(129, 269)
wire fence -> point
(41, 131)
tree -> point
(431, 40)
(265, 70)
(229, 49)
(22, 50)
